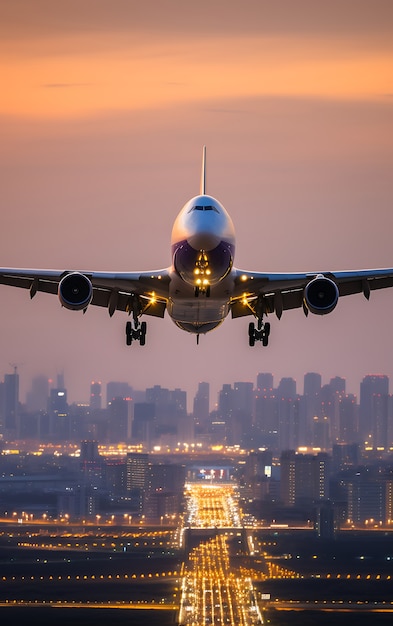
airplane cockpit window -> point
(200, 207)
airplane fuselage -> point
(203, 249)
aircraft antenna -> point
(203, 174)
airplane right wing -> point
(263, 293)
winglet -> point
(203, 174)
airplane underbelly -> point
(198, 315)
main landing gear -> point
(136, 331)
(261, 333)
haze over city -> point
(103, 118)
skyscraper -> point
(95, 396)
(374, 391)
(288, 414)
(310, 406)
(11, 403)
(201, 405)
(37, 398)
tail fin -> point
(203, 174)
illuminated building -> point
(304, 477)
(374, 390)
(137, 475)
(95, 396)
(59, 419)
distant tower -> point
(310, 405)
(59, 414)
(95, 396)
(116, 389)
(37, 398)
(288, 414)
(264, 383)
(373, 409)
(202, 404)
(11, 402)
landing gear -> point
(136, 332)
(202, 291)
(261, 333)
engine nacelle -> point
(75, 291)
(321, 295)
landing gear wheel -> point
(266, 329)
(142, 334)
(251, 334)
(128, 333)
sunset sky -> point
(104, 108)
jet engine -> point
(321, 295)
(75, 291)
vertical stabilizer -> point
(203, 174)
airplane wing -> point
(148, 291)
(259, 294)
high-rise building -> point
(310, 406)
(95, 396)
(373, 408)
(201, 407)
(225, 414)
(59, 419)
(266, 413)
(288, 414)
(37, 398)
(137, 471)
(304, 477)
(349, 420)
(137, 477)
(243, 413)
(143, 423)
(170, 407)
(116, 389)
(264, 383)
(11, 403)
(366, 497)
(120, 416)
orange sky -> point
(105, 106)
(84, 68)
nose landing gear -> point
(261, 333)
(137, 332)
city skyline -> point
(60, 381)
(103, 119)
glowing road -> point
(213, 592)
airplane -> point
(202, 285)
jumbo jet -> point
(202, 285)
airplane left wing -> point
(259, 294)
(141, 292)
